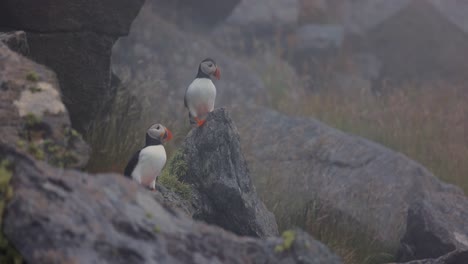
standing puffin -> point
(146, 164)
(201, 94)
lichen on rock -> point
(43, 98)
(288, 237)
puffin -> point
(201, 93)
(146, 164)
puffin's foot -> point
(200, 122)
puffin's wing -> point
(131, 164)
(185, 97)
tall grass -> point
(428, 123)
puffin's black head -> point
(157, 134)
(208, 68)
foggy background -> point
(393, 72)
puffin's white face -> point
(160, 132)
(210, 68)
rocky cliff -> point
(75, 39)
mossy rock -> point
(7, 253)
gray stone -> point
(307, 172)
(32, 115)
(66, 216)
(221, 182)
(454, 257)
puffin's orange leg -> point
(199, 122)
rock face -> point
(310, 173)
(75, 39)
(434, 229)
(454, 257)
(32, 115)
(72, 217)
(224, 193)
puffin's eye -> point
(158, 127)
(210, 65)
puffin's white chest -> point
(200, 96)
(150, 163)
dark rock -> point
(82, 63)
(65, 216)
(313, 175)
(75, 39)
(434, 229)
(217, 170)
(454, 257)
(16, 41)
(32, 115)
(109, 17)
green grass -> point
(171, 176)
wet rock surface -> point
(223, 191)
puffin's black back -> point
(131, 164)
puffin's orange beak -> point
(168, 135)
(217, 74)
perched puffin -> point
(201, 94)
(146, 164)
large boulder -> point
(313, 175)
(75, 39)
(66, 216)
(32, 115)
(223, 191)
